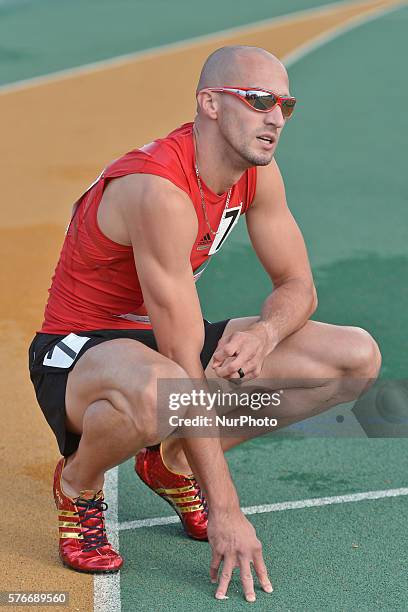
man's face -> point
(253, 136)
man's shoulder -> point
(269, 183)
(145, 186)
(178, 142)
(137, 202)
(169, 158)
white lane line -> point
(196, 41)
(314, 502)
(337, 31)
(107, 586)
(152, 522)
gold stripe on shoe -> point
(73, 534)
(69, 524)
(186, 509)
(187, 498)
(67, 513)
(190, 488)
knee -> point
(150, 410)
(364, 355)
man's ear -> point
(207, 102)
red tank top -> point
(95, 284)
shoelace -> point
(199, 494)
(94, 533)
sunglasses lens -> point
(260, 101)
(265, 101)
(288, 106)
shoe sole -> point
(84, 571)
(174, 509)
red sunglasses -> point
(260, 100)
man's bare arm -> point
(279, 244)
(162, 226)
(280, 247)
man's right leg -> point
(111, 402)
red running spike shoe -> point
(182, 492)
(83, 544)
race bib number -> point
(228, 220)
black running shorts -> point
(52, 357)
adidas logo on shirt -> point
(204, 243)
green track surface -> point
(310, 557)
(42, 36)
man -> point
(137, 239)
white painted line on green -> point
(107, 586)
(314, 502)
(337, 31)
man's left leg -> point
(319, 366)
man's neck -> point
(217, 169)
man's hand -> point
(243, 349)
(234, 544)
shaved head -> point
(237, 65)
(240, 134)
